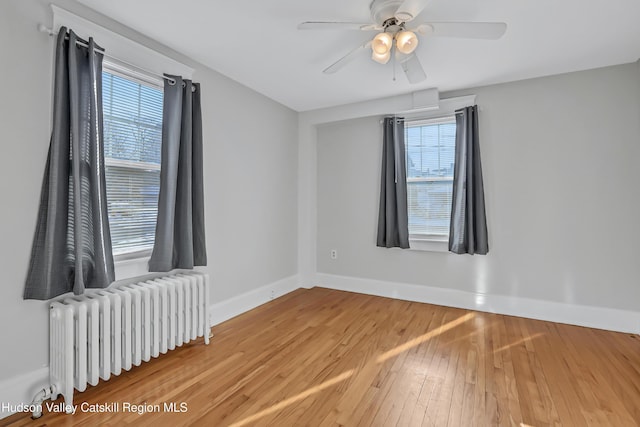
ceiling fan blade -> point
(413, 69)
(346, 59)
(409, 9)
(331, 25)
(469, 30)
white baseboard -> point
(225, 310)
(581, 315)
(22, 389)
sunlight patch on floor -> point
(301, 396)
(520, 341)
(422, 338)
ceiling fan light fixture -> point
(381, 43)
(381, 58)
(406, 41)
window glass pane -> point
(430, 154)
(132, 119)
(429, 204)
(132, 140)
(132, 204)
(430, 150)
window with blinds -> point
(430, 156)
(132, 111)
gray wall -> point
(561, 160)
(250, 177)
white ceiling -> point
(256, 43)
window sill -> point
(127, 267)
(133, 256)
(428, 244)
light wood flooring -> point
(321, 357)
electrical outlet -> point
(334, 254)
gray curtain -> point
(393, 222)
(180, 236)
(468, 232)
(72, 245)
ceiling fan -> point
(397, 38)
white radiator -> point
(99, 334)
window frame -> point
(429, 241)
(130, 73)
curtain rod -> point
(455, 113)
(43, 29)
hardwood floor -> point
(321, 357)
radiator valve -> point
(40, 397)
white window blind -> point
(132, 112)
(430, 156)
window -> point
(430, 156)
(132, 111)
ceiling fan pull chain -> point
(393, 58)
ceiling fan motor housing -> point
(382, 10)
